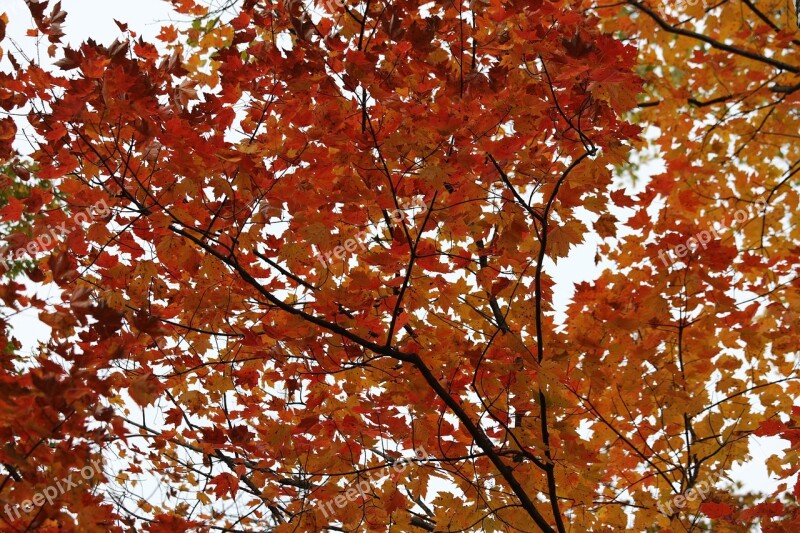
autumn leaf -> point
(605, 226)
(225, 484)
(145, 389)
(12, 210)
(561, 239)
(7, 129)
(716, 510)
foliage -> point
(201, 344)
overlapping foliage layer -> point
(333, 237)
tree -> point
(306, 259)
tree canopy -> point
(298, 261)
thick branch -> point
(477, 433)
(713, 42)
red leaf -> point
(145, 389)
(770, 427)
(12, 211)
(225, 483)
(7, 129)
(499, 285)
(766, 509)
(716, 510)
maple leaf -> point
(763, 510)
(561, 239)
(7, 129)
(225, 484)
(770, 427)
(12, 210)
(716, 510)
(606, 226)
(145, 389)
